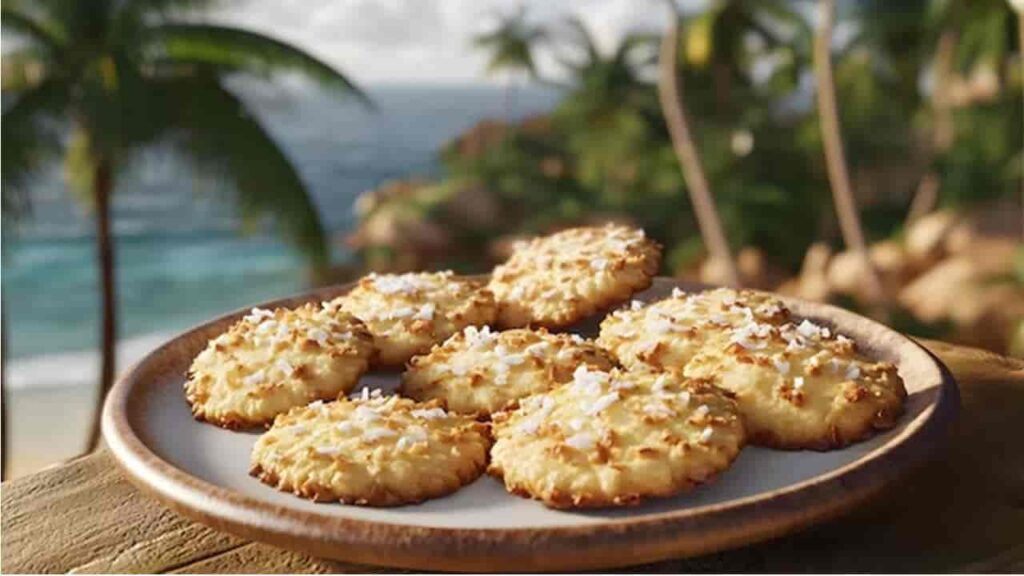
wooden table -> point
(962, 511)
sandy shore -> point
(46, 426)
(51, 400)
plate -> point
(200, 471)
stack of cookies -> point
(663, 400)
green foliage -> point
(231, 49)
(984, 162)
(605, 151)
(511, 44)
(121, 76)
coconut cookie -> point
(800, 386)
(615, 438)
(667, 333)
(479, 372)
(374, 451)
(557, 280)
(409, 313)
(273, 360)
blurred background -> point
(166, 161)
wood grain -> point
(963, 511)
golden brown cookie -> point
(801, 386)
(557, 280)
(615, 438)
(273, 360)
(409, 313)
(372, 450)
(667, 333)
(478, 371)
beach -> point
(51, 401)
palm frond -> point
(583, 38)
(235, 48)
(217, 134)
(33, 28)
(511, 44)
(21, 70)
(31, 139)
(163, 6)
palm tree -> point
(730, 37)
(1018, 7)
(121, 75)
(969, 34)
(609, 115)
(671, 96)
(511, 49)
(835, 160)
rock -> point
(925, 239)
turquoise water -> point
(179, 257)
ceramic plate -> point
(201, 471)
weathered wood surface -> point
(964, 511)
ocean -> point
(180, 256)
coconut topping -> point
(374, 434)
(852, 372)
(581, 441)
(294, 429)
(257, 315)
(257, 377)
(597, 406)
(782, 366)
(429, 413)
(538, 349)
(400, 284)
(328, 450)
(345, 427)
(478, 337)
(658, 410)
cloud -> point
(426, 41)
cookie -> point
(479, 372)
(801, 386)
(409, 313)
(667, 333)
(557, 280)
(373, 450)
(615, 438)
(273, 360)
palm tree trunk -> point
(671, 98)
(835, 159)
(102, 185)
(926, 197)
(4, 437)
(1020, 46)
(508, 97)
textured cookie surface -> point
(667, 333)
(374, 451)
(614, 438)
(556, 280)
(274, 360)
(409, 313)
(800, 385)
(478, 371)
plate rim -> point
(613, 542)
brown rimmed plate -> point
(201, 471)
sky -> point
(429, 41)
